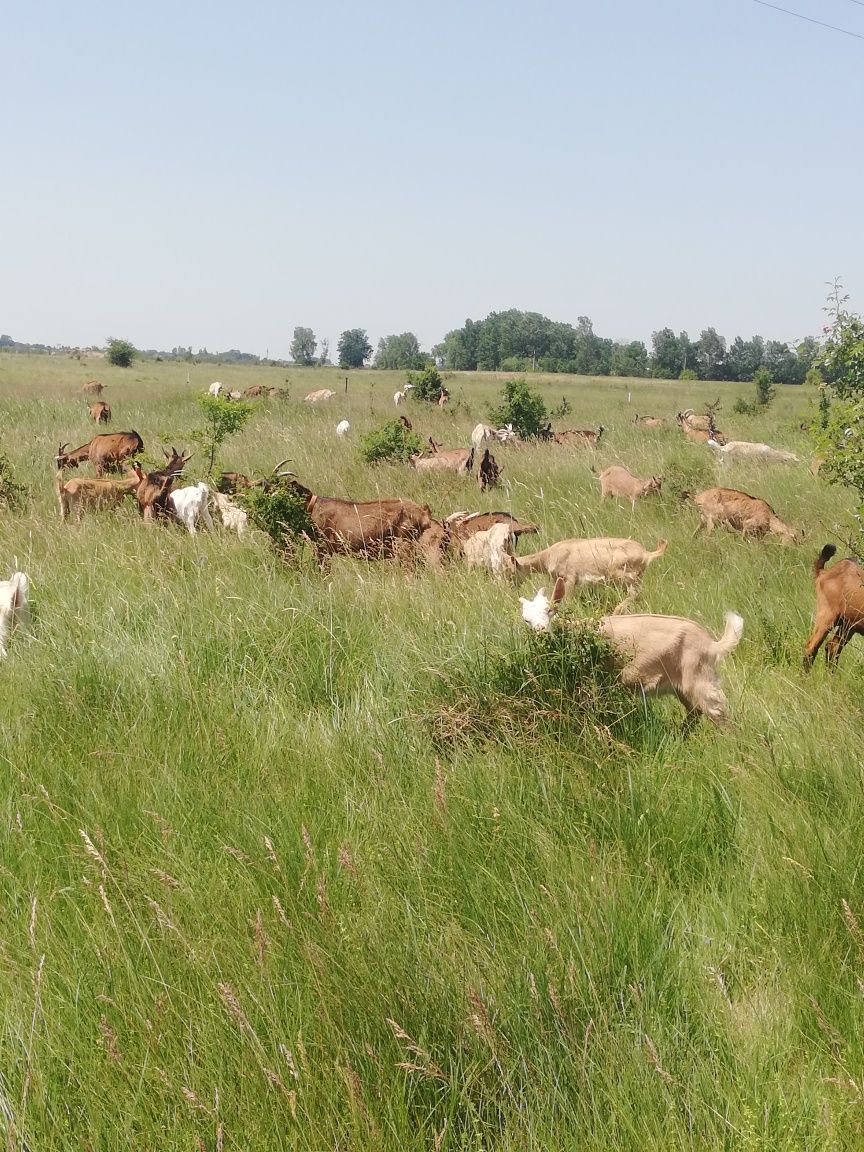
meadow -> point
(264, 885)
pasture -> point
(262, 887)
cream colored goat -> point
(604, 560)
(659, 655)
(488, 549)
(14, 608)
(748, 450)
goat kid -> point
(612, 560)
(658, 655)
(487, 549)
(619, 481)
(190, 505)
(234, 518)
(839, 606)
(14, 608)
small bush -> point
(686, 474)
(392, 441)
(522, 407)
(280, 511)
(814, 378)
(561, 410)
(744, 407)
(12, 495)
(688, 374)
(428, 384)
(120, 353)
(765, 390)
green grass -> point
(269, 880)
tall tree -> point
(402, 351)
(353, 348)
(710, 355)
(303, 346)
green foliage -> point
(842, 357)
(688, 374)
(223, 418)
(120, 353)
(687, 472)
(561, 410)
(399, 352)
(353, 348)
(303, 346)
(428, 384)
(814, 378)
(520, 406)
(12, 495)
(765, 390)
(279, 510)
(392, 441)
(744, 407)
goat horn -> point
(281, 462)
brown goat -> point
(105, 452)
(620, 481)
(154, 487)
(463, 525)
(459, 460)
(488, 472)
(82, 492)
(100, 412)
(93, 388)
(839, 606)
(750, 515)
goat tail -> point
(731, 637)
(822, 559)
(59, 481)
(659, 550)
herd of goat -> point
(654, 653)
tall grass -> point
(260, 889)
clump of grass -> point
(687, 473)
(392, 441)
(12, 495)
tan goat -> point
(839, 606)
(649, 421)
(659, 655)
(750, 515)
(82, 492)
(488, 549)
(599, 561)
(458, 460)
(619, 481)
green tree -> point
(710, 355)
(353, 348)
(427, 385)
(120, 353)
(392, 441)
(303, 347)
(765, 390)
(402, 351)
(223, 418)
(744, 357)
(522, 407)
(629, 359)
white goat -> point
(488, 549)
(659, 654)
(482, 433)
(14, 608)
(606, 559)
(506, 435)
(191, 504)
(234, 518)
(746, 450)
(398, 397)
(342, 428)
(215, 388)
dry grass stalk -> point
(654, 1057)
(830, 1033)
(480, 1020)
(440, 787)
(346, 861)
(109, 1040)
(288, 1056)
(261, 941)
(555, 1002)
(238, 855)
(92, 851)
(107, 905)
(309, 854)
(280, 912)
(194, 1102)
(166, 878)
(31, 931)
(853, 925)
(229, 999)
(271, 853)
(164, 827)
(164, 921)
(427, 1067)
(438, 1138)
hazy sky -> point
(215, 173)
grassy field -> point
(265, 885)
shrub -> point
(561, 410)
(428, 384)
(814, 378)
(12, 495)
(392, 441)
(522, 407)
(744, 407)
(765, 390)
(687, 473)
(688, 374)
(120, 353)
(223, 418)
(280, 511)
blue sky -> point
(214, 174)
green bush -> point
(687, 473)
(279, 510)
(744, 407)
(688, 374)
(392, 441)
(522, 407)
(814, 378)
(765, 390)
(120, 353)
(223, 418)
(12, 495)
(428, 384)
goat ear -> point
(165, 454)
(558, 591)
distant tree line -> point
(517, 341)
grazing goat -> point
(649, 421)
(689, 419)
(14, 608)
(406, 423)
(342, 428)
(255, 392)
(659, 654)
(230, 482)
(750, 515)
(234, 518)
(371, 528)
(482, 433)
(319, 394)
(839, 606)
(190, 505)
(487, 549)
(154, 487)
(106, 451)
(597, 561)
(215, 388)
(746, 450)
(620, 481)
(506, 435)
(488, 472)
(443, 397)
(580, 436)
(458, 460)
(93, 388)
(82, 492)
(99, 413)
(463, 525)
